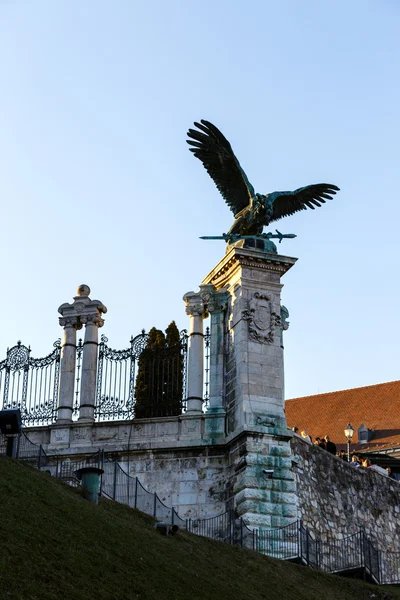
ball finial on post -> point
(83, 290)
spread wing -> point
(216, 154)
(287, 203)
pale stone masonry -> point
(238, 451)
(239, 454)
(337, 500)
(263, 484)
(251, 282)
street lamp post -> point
(348, 432)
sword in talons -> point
(280, 235)
(235, 237)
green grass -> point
(56, 545)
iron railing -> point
(31, 384)
(280, 543)
(292, 542)
(21, 448)
(308, 548)
(65, 468)
(118, 485)
(220, 528)
(351, 553)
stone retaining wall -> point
(336, 499)
(193, 481)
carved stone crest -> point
(262, 319)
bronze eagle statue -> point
(252, 211)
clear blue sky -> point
(97, 184)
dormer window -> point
(364, 434)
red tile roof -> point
(376, 406)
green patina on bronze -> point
(258, 242)
(251, 211)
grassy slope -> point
(55, 545)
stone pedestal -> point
(253, 370)
(253, 383)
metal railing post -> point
(378, 565)
(231, 525)
(100, 464)
(18, 444)
(155, 505)
(362, 559)
(115, 480)
(136, 492)
(40, 457)
(299, 538)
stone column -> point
(195, 372)
(91, 316)
(67, 369)
(216, 303)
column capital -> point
(70, 322)
(194, 305)
(94, 319)
(215, 300)
(207, 300)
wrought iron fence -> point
(21, 448)
(219, 528)
(280, 543)
(31, 384)
(351, 553)
(292, 542)
(340, 554)
(371, 558)
(118, 485)
(246, 537)
(65, 468)
(308, 551)
(161, 376)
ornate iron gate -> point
(117, 377)
(31, 384)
